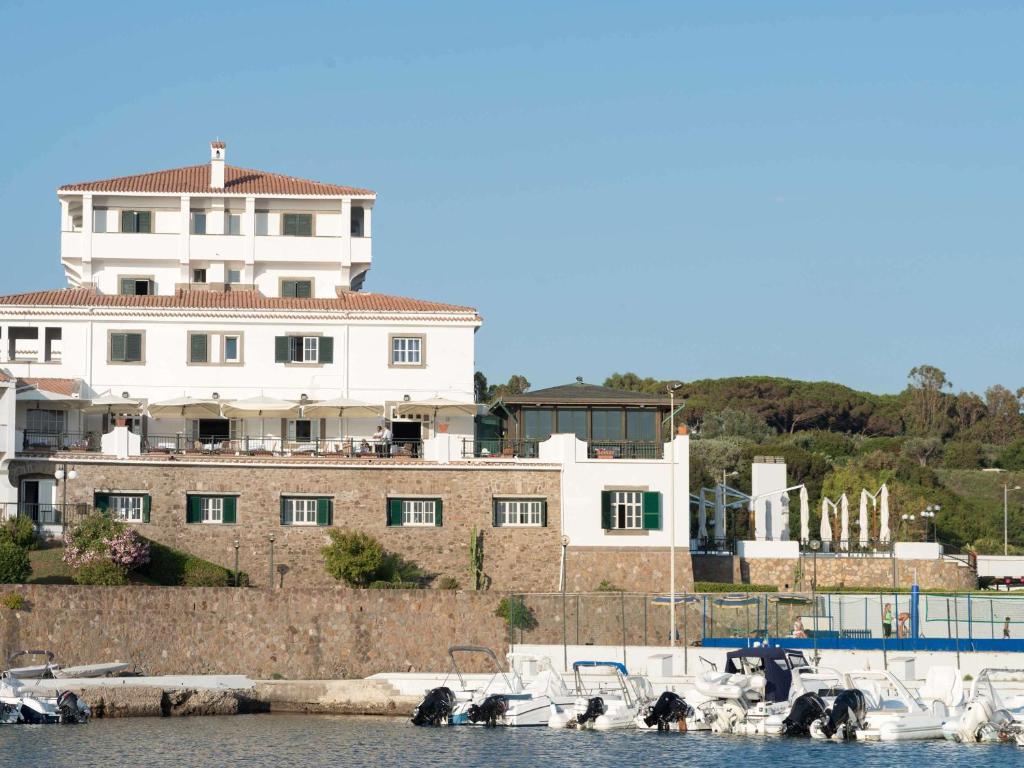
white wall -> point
(1000, 566)
(583, 480)
(326, 277)
(8, 441)
(771, 512)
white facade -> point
(770, 502)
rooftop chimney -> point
(217, 151)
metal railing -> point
(33, 441)
(505, 447)
(624, 449)
(347, 447)
(45, 514)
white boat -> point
(49, 669)
(987, 717)
(877, 706)
(607, 698)
(752, 696)
(503, 700)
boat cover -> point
(775, 663)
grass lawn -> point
(49, 568)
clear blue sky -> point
(815, 190)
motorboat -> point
(21, 702)
(875, 705)
(607, 698)
(502, 700)
(49, 670)
(987, 716)
(752, 695)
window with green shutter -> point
(652, 510)
(606, 510)
(627, 510)
(307, 510)
(415, 513)
(326, 352)
(101, 502)
(297, 224)
(125, 347)
(520, 513)
(125, 506)
(214, 509)
(297, 289)
(199, 348)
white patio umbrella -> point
(35, 395)
(110, 403)
(341, 407)
(438, 405)
(863, 518)
(185, 408)
(260, 407)
(826, 526)
(805, 515)
(883, 527)
(844, 513)
(719, 513)
(702, 517)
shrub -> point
(22, 531)
(353, 557)
(394, 585)
(720, 586)
(448, 582)
(202, 573)
(98, 538)
(1012, 456)
(963, 454)
(13, 600)
(607, 586)
(105, 573)
(15, 567)
(516, 613)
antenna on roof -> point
(579, 379)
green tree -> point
(481, 392)
(929, 402)
(630, 382)
(1002, 422)
(353, 557)
(15, 567)
(516, 385)
(732, 422)
(922, 449)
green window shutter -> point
(117, 347)
(652, 510)
(200, 348)
(230, 510)
(494, 514)
(101, 502)
(128, 221)
(145, 221)
(394, 512)
(146, 503)
(606, 510)
(193, 510)
(324, 511)
(326, 349)
(284, 511)
(544, 513)
(133, 347)
(437, 513)
(280, 349)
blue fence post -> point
(915, 619)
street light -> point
(672, 389)
(63, 474)
(236, 543)
(815, 545)
(929, 515)
(1006, 495)
(271, 571)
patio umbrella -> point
(883, 528)
(341, 407)
(437, 405)
(805, 515)
(109, 403)
(259, 408)
(702, 517)
(185, 408)
(844, 513)
(863, 520)
(720, 513)
(826, 526)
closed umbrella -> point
(719, 513)
(805, 515)
(702, 517)
(844, 513)
(883, 528)
(826, 526)
(863, 519)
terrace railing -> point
(45, 514)
(624, 449)
(347, 447)
(49, 442)
(491, 448)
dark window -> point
(297, 224)
(357, 222)
(198, 275)
(538, 423)
(137, 221)
(641, 425)
(126, 347)
(199, 348)
(137, 286)
(198, 223)
(573, 421)
(297, 289)
(607, 424)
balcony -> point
(45, 517)
(270, 248)
(216, 248)
(624, 449)
(500, 448)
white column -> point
(86, 238)
(346, 232)
(367, 218)
(65, 215)
(249, 233)
(215, 217)
(184, 235)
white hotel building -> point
(214, 359)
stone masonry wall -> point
(316, 633)
(857, 572)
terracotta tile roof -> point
(66, 387)
(195, 179)
(218, 145)
(357, 301)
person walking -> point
(1006, 629)
(887, 620)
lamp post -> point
(815, 545)
(235, 544)
(929, 517)
(672, 388)
(64, 473)
(899, 526)
(1006, 507)
(270, 573)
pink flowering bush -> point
(99, 540)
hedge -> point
(173, 568)
(720, 586)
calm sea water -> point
(296, 741)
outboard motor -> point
(436, 707)
(806, 709)
(668, 709)
(489, 710)
(595, 708)
(847, 714)
(71, 708)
